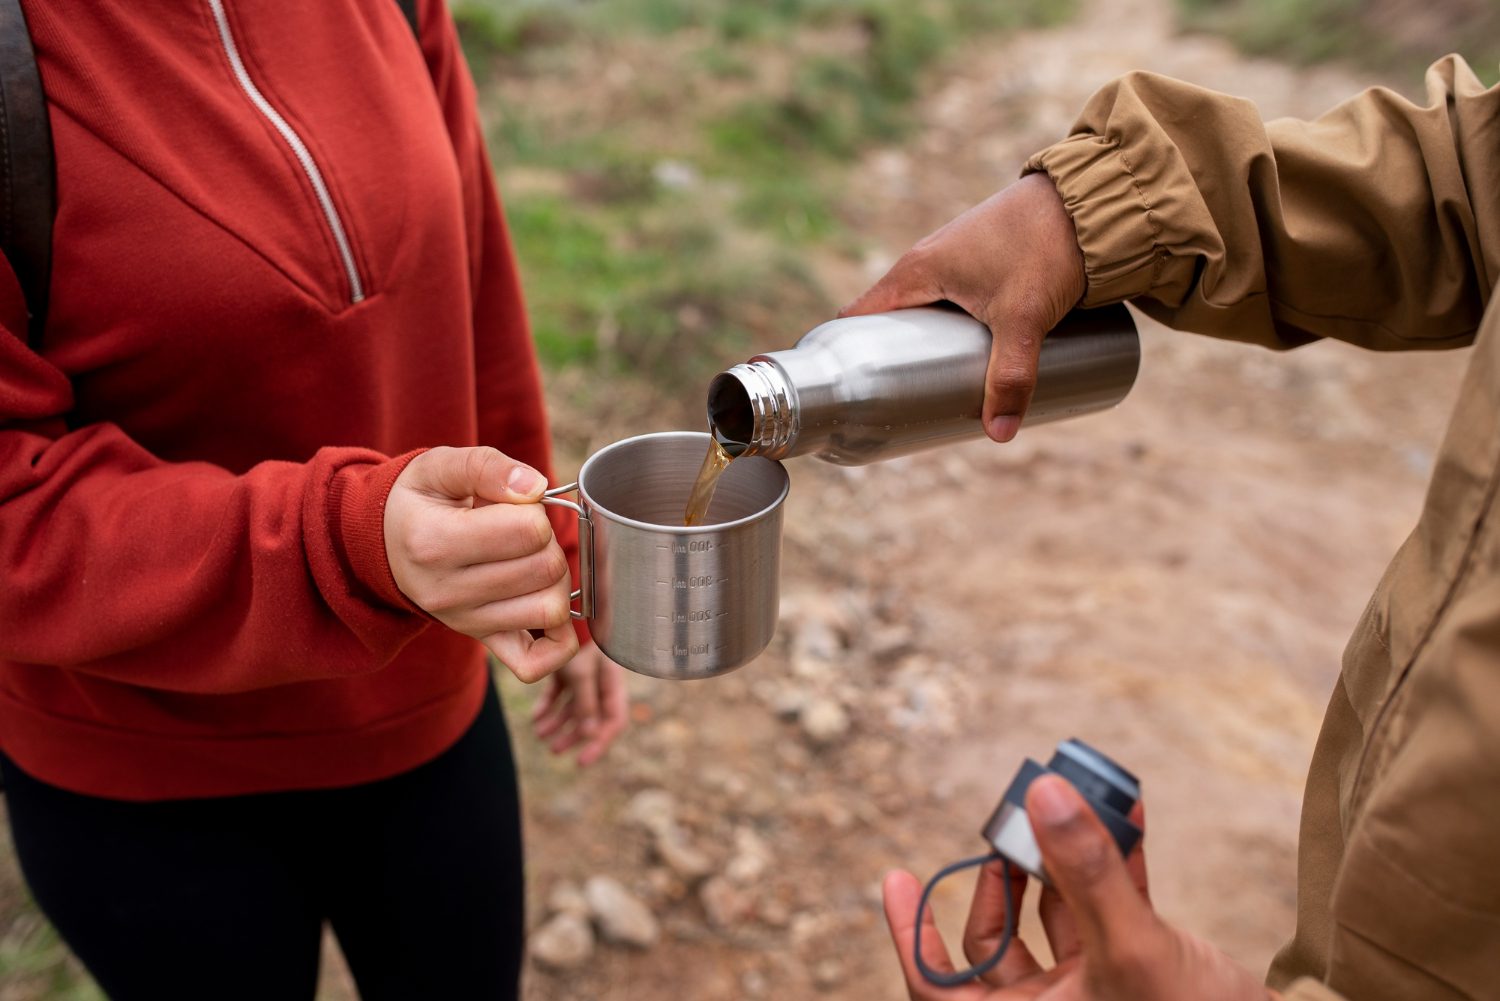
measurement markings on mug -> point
(694, 581)
(693, 546)
(702, 615)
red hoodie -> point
(278, 260)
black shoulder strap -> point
(27, 195)
(409, 8)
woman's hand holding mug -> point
(469, 544)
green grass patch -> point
(35, 963)
(1312, 31)
(757, 110)
(649, 291)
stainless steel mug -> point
(661, 598)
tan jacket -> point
(1377, 224)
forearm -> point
(1377, 224)
(186, 577)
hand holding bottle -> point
(1013, 263)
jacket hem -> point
(120, 764)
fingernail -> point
(525, 480)
(1004, 427)
(1049, 803)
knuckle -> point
(427, 545)
(1131, 957)
(476, 459)
(529, 673)
(1087, 855)
(553, 566)
(537, 531)
(1013, 378)
(554, 609)
(442, 598)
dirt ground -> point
(1173, 581)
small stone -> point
(827, 808)
(827, 973)
(774, 913)
(824, 722)
(675, 175)
(808, 926)
(565, 806)
(792, 756)
(733, 785)
(724, 904)
(567, 898)
(751, 859)
(620, 915)
(754, 983)
(745, 870)
(789, 702)
(681, 857)
(888, 644)
(664, 885)
(564, 942)
(818, 637)
(655, 810)
(671, 734)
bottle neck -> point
(752, 409)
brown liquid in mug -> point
(714, 463)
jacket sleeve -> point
(512, 411)
(115, 562)
(1376, 224)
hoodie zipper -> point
(298, 147)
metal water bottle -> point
(868, 388)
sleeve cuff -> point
(1112, 214)
(1308, 989)
(358, 497)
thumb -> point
(1015, 349)
(480, 472)
(1084, 865)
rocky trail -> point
(1172, 581)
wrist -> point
(357, 498)
(1058, 240)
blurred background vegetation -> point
(1400, 37)
(681, 200)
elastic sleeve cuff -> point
(1308, 989)
(357, 497)
(1112, 214)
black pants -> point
(419, 875)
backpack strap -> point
(409, 10)
(27, 192)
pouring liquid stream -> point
(714, 463)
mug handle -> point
(584, 594)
